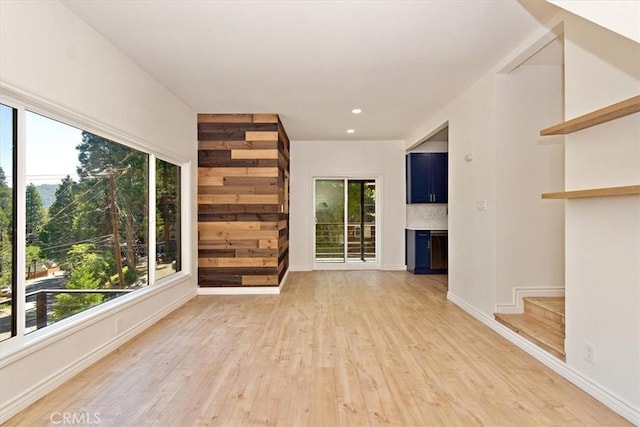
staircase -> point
(542, 323)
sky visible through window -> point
(51, 150)
(6, 134)
(44, 165)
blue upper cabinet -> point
(427, 178)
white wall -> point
(437, 143)
(471, 120)
(621, 16)
(603, 234)
(53, 61)
(529, 230)
(312, 159)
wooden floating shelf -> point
(612, 112)
(594, 192)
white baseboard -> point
(55, 380)
(611, 400)
(517, 307)
(394, 268)
(245, 290)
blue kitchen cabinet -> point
(426, 251)
(427, 177)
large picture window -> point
(86, 221)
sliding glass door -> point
(345, 221)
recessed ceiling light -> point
(356, 111)
(350, 131)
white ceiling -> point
(312, 62)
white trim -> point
(611, 400)
(394, 268)
(346, 266)
(152, 210)
(21, 225)
(47, 385)
(245, 290)
(188, 194)
(517, 307)
(240, 290)
(299, 268)
(427, 136)
(546, 38)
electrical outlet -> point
(589, 351)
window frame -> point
(20, 340)
(14, 218)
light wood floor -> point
(335, 349)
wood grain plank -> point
(251, 271)
(240, 199)
(210, 161)
(594, 192)
(238, 217)
(231, 131)
(229, 225)
(602, 115)
(219, 280)
(261, 136)
(205, 172)
(208, 180)
(238, 209)
(250, 180)
(230, 235)
(236, 244)
(248, 226)
(268, 244)
(238, 189)
(223, 145)
(238, 262)
(260, 280)
(222, 253)
(225, 118)
(266, 118)
(254, 154)
(246, 253)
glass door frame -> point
(346, 264)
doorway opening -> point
(345, 222)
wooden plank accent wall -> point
(243, 200)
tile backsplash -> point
(427, 216)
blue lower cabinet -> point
(426, 251)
